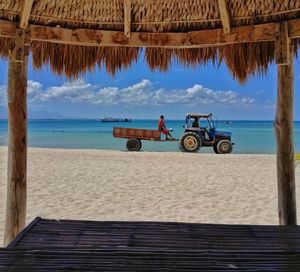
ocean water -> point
(251, 137)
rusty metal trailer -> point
(134, 136)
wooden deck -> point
(67, 245)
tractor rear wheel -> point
(190, 142)
(224, 147)
(133, 144)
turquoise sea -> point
(249, 136)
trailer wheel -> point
(224, 147)
(190, 142)
(140, 145)
(133, 144)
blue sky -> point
(140, 93)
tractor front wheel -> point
(215, 148)
(190, 142)
(133, 144)
(224, 147)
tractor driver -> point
(162, 128)
(196, 122)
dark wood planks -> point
(68, 245)
(52, 233)
(19, 237)
(117, 259)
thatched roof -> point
(148, 16)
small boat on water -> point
(114, 120)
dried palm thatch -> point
(5, 46)
(250, 58)
(75, 60)
(117, 58)
(149, 16)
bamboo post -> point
(17, 140)
(284, 129)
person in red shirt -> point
(162, 128)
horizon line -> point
(138, 119)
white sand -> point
(115, 185)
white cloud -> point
(33, 87)
(76, 91)
(3, 96)
(140, 94)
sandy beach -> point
(165, 186)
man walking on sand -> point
(162, 128)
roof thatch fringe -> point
(5, 46)
(75, 60)
(196, 56)
(117, 58)
(296, 46)
(158, 58)
(67, 59)
(244, 60)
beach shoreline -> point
(91, 184)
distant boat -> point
(111, 119)
(227, 122)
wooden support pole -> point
(127, 18)
(282, 44)
(224, 14)
(284, 130)
(25, 14)
(17, 140)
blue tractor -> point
(200, 130)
